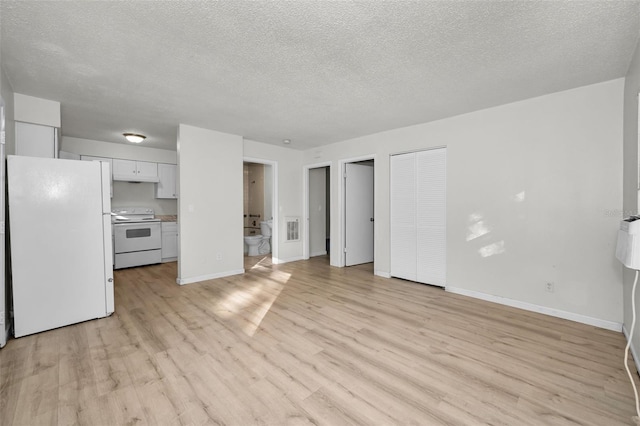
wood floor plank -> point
(304, 343)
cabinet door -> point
(146, 169)
(109, 161)
(124, 169)
(166, 186)
(169, 240)
(34, 140)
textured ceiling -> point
(313, 72)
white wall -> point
(317, 212)
(7, 95)
(210, 205)
(143, 194)
(529, 189)
(630, 183)
(289, 190)
(117, 150)
(36, 110)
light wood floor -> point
(305, 343)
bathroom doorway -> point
(260, 222)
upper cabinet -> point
(36, 140)
(37, 123)
(135, 171)
(167, 186)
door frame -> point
(275, 237)
(305, 203)
(5, 321)
(340, 257)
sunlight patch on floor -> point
(252, 304)
(262, 263)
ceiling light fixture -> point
(286, 141)
(134, 137)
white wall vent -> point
(292, 225)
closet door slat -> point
(431, 216)
(403, 216)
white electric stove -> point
(137, 237)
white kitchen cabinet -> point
(169, 241)
(124, 169)
(35, 140)
(103, 160)
(167, 186)
(147, 170)
(418, 216)
(135, 171)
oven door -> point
(129, 237)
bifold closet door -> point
(431, 216)
(418, 216)
(403, 216)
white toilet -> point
(265, 229)
(253, 242)
(260, 244)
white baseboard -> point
(382, 274)
(632, 348)
(609, 325)
(183, 281)
(318, 253)
(276, 261)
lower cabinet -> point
(169, 241)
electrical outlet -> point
(219, 256)
(550, 287)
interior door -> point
(358, 214)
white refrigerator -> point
(60, 241)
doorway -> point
(358, 211)
(319, 219)
(5, 296)
(317, 210)
(260, 221)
